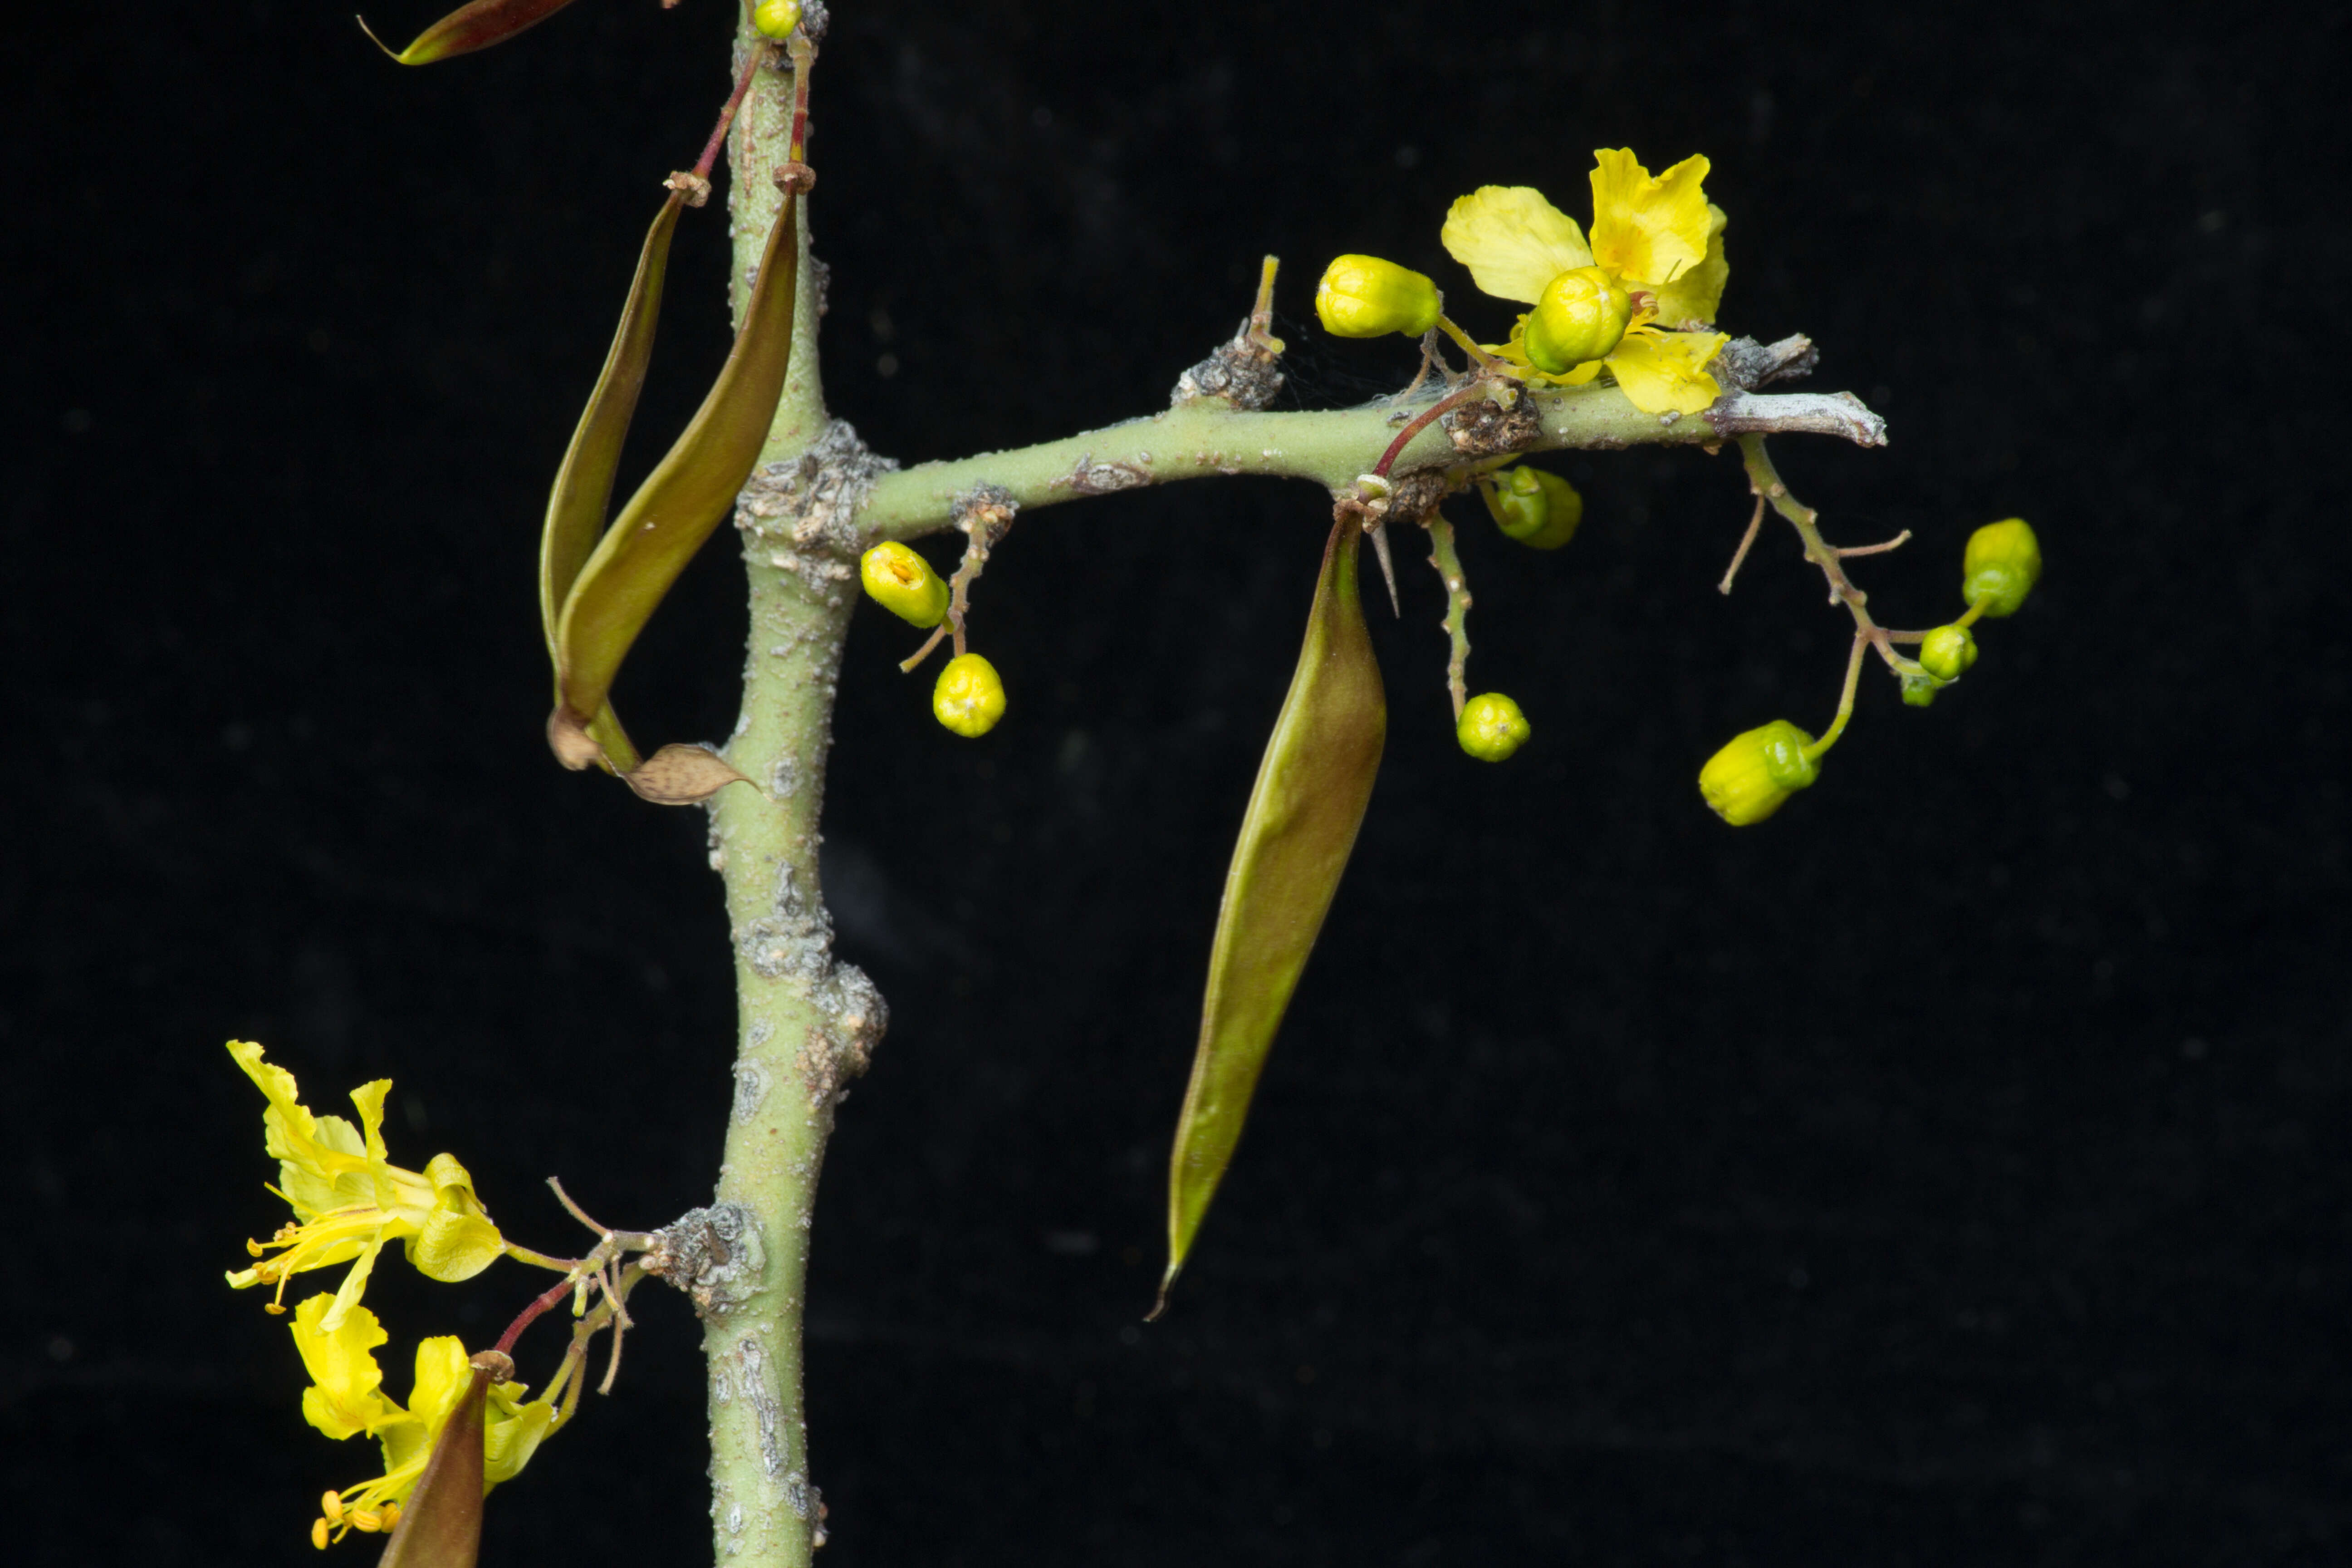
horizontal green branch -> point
(1207, 436)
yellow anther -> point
(252, 1247)
(331, 1504)
(390, 1515)
(366, 1522)
(1365, 297)
(318, 1533)
(969, 698)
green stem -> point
(804, 1021)
(1448, 561)
(1207, 437)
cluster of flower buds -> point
(1754, 775)
(969, 697)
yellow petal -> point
(1695, 295)
(1648, 230)
(516, 1431)
(369, 1098)
(347, 1295)
(1661, 373)
(442, 1376)
(1513, 241)
(347, 1396)
(456, 1244)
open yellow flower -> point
(347, 1398)
(350, 1199)
(1656, 241)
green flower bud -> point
(776, 19)
(969, 698)
(1539, 509)
(903, 583)
(1948, 652)
(1919, 690)
(1492, 727)
(1746, 781)
(2002, 563)
(1580, 315)
(1364, 297)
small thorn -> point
(1387, 568)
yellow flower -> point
(1656, 237)
(350, 1199)
(347, 1398)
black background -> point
(1950, 1170)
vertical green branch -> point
(804, 1021)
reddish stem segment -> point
(1445, 405)
(727, 115)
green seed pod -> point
(1749, 779)
(1492, 727)
(1313, 784)
(1948, 652)
(1365, 297)
(903, 583)
(2002, 563)
(1919, 690)
(969, 698)
(776, 19)
(1539, 509)
(1580, 315)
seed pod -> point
(1580, 315)
(583, 485)
(1538, 509)
(1365, 297)
(903, 583)
(442, 1525)
(2002, 563)
(969, 698)
(686, 496)
(1492, 727)
(475, 26)
(1948, 652)
(1312, 787)
(1753, 775)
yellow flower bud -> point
(1749, 779)
(1580, 315)
(1492, 727)
(2002, 563)
(903, 583)
(969, 698)
(1539, 509)
(1365, 297)
(776, 19)
(1948, 652)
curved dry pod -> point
(442, 1525)
(1312, 788)
(688, 493)
(475, 26)
(583, 485)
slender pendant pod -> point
(583, 485)
(474, 27)
(686, 496)
(1312, 788)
